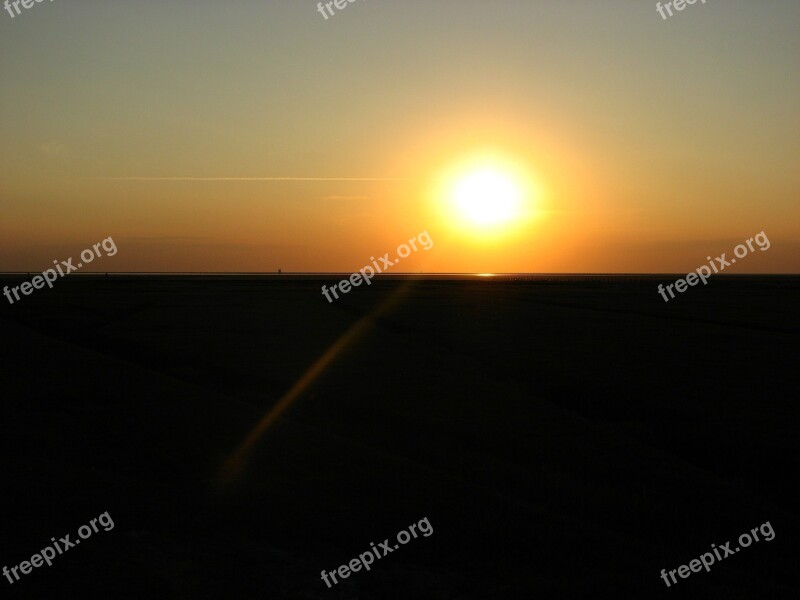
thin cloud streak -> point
(262, 179)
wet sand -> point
(566, 437)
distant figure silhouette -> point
(279, 271)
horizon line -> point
(396, 273)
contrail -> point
(262, 179)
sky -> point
(258, 135)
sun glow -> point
(487, 197)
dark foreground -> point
(565, 438)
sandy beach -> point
(565, 436)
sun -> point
(487, 197)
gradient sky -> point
(652, 143)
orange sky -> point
(643, 145)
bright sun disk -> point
(487, 197)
